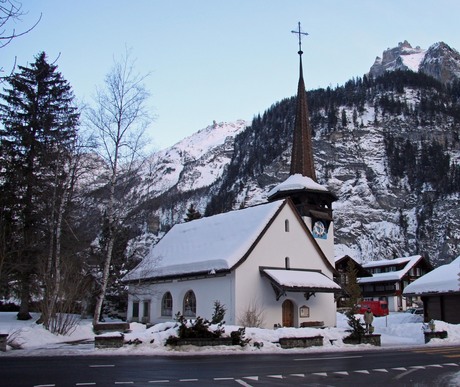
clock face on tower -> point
(319, 230)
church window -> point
(189, 304)
(135, 309)
(287, 263)
(286, 225)
(146, 311)
(166, 304)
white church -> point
(275, 259)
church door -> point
(288, 313)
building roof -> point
(302, 149)
(397, 275)
(297, 182)
(342, 261)
(301, 280)
(211, 244)
(444, 279)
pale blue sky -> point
(224, 60)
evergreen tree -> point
(192, 214)
(352, 287)
(344, 118)
(36, 143)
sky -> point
(211, 60)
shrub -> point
(219, 313)
(201, 328)
(252, 316)
(198, 328)
(357, 329)
(238, 337)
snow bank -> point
(397, 330)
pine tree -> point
(36, 142)
(352, 287)
(192, 214)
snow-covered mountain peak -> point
(196, 161)
(210, 137)
(402, 57)
(438, 61)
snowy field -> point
(397, 330)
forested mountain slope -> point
(388, 147)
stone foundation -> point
(366, 339)
(3, 341)
(202, 342)
(111, 327)
(115, 341)
(312, 324)
(434, 335)
(301, 342)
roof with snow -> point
(211, 244)
(301, 280)
(297, 182)
(444, 279)
(409, 263)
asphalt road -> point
(427, 366)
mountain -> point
(387, 144)
(438, 61)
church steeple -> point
(311, 199)
(302, 149)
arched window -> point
(189, 304)
(286, 225)
(167, 304)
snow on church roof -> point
(443, 279)
(301, 279)
(297, 182)
(205, 245)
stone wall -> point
(301, 342)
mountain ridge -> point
(438, 61)
(385, 209)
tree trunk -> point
(23, 313)
(110, 243)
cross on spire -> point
(300, 33)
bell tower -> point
(312, 200)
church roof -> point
(302, 280)
(297, 182)
(302, 149)
(211, 244)
(302, 172)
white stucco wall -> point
(206, 292)
(272, 250)
(246, 287)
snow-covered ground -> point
(397, 330)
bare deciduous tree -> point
(10, 12)
(253, 315)
(119, 119)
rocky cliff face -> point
(442, 63)
(389, 204)
(379, 214)
(402, 57)
(438, 61)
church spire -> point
(302, 149)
